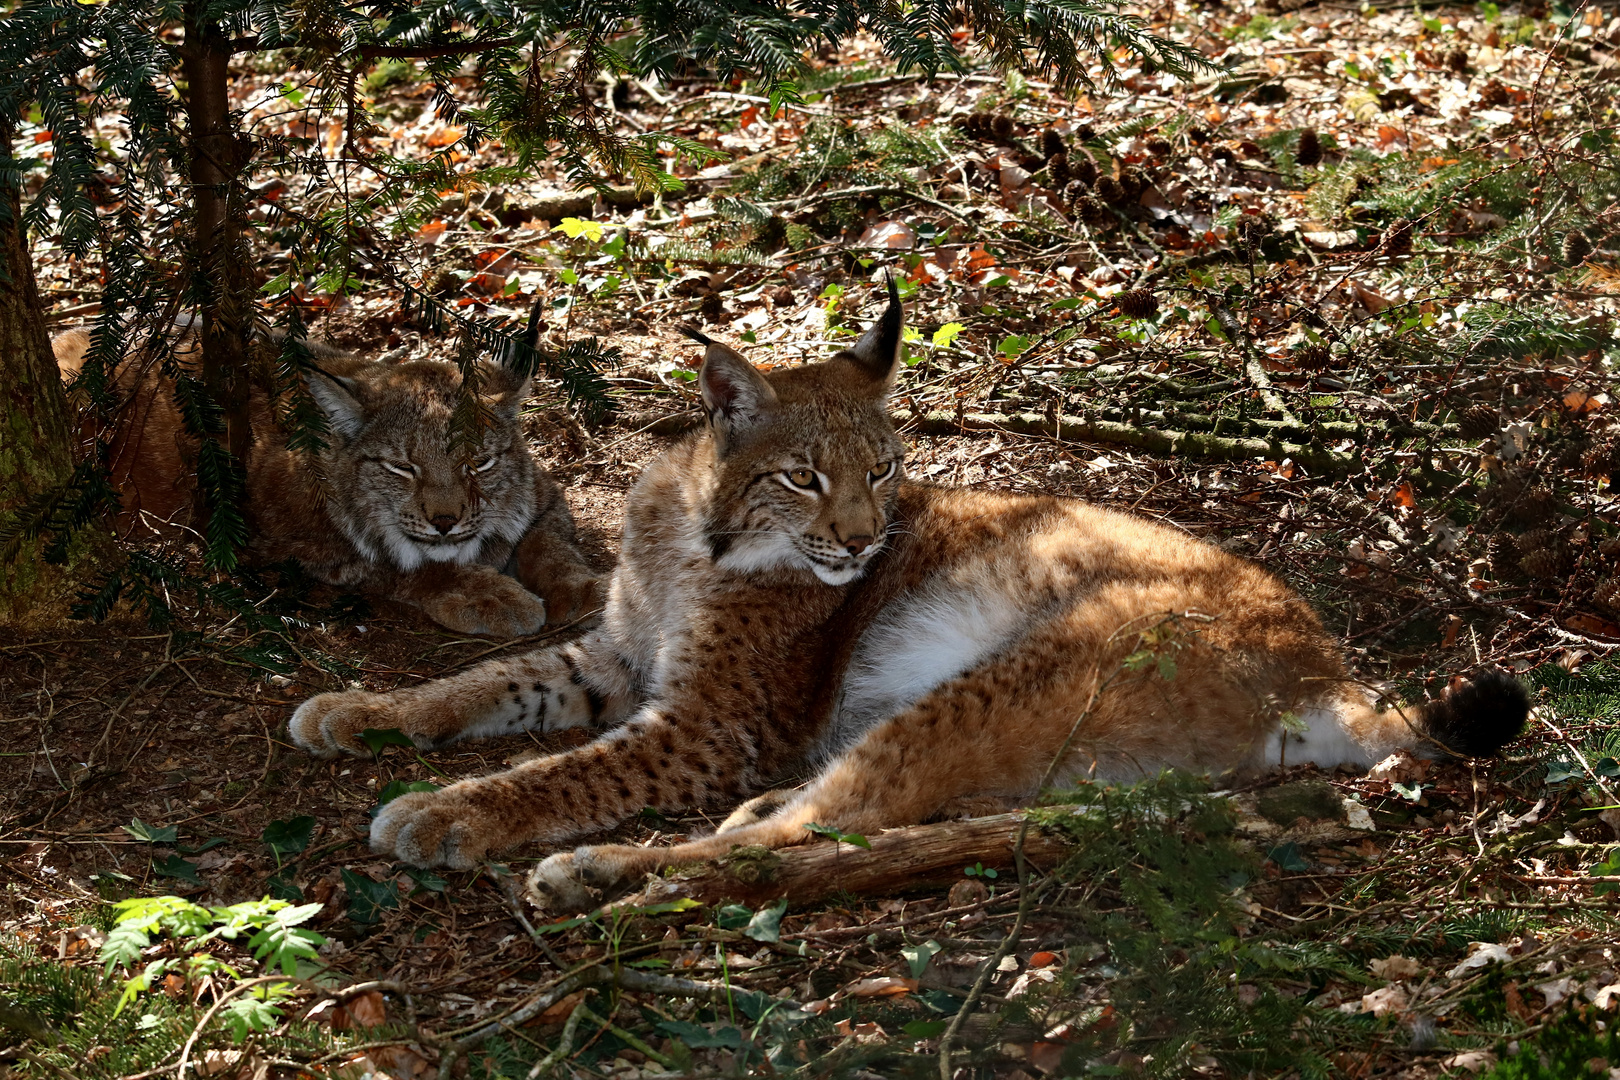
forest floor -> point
(1344, 307)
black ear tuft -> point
(877, 353)
(531, 333)
(696, 335)
(1481, 716)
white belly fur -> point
(922, 640)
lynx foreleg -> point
(583, 682)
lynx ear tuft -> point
(877, 353)
(339, 400)
(736, 397)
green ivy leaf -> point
(140, 830)
(176, 867)
(288, 837)
(946, 335)
(395, 788)
(834, 835)
(926, 1029)
(379, 739)
(1287, 857)
(369, 899)
(733, 917)
(918, 956)
(574, 228)
(766, 924)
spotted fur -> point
(785, 598)
(483, 543)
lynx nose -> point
(444, 522)
(857, 544)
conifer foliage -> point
(167, 214)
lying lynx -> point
(398, 514)
(784, 595)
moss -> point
(752, 865)
(1314, 800)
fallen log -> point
(899, 859)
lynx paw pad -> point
(432, 828)
(330, 724)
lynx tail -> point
(1478, 716)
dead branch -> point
(899, 859)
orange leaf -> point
(1403, 495)
(1591, 624)
(887, 986)
(1043, 959)
(443, 136)
(431, 232)
(749, 115)
(1580, 402)
(41, 137)
(174, 985)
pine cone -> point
(1198, 134)
(1313, 357)
(1057, 170)
(1540, 565)
(1159, 146)
(1092, 210)
(1493, 94)
(1052, 144)
(1533, 507)
(977, 124)
(1480, 422)
(1502, 554)
(1110, 191)
(1001, 127)
(1457, 60)
(1607, 595)
(1133, 182)
(1576, 247)
(711, 306)
(1073, 192)
(1138, 303)
(1602, 459)
(1398, 237)
(1309, 151)
(1252, 230)
(1609, 549)
(1085, 133)
(1082, 168)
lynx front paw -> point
(570, 597)
(582, 879)
(330, 724)
(495, 604)
(437, 828)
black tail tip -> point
(1477, 718)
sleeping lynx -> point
(784, 595)
(386, 508)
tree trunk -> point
(221, 270)
(36, 447)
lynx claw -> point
(555, 886)
(582, 879)
(431, 828)
(328, 725)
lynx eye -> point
(879, 473)
(803, 478)
(400, 468)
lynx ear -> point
(877, 353)
(503, 389)
(736, 397)
(339, 400)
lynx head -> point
(398, 488)
(807, 464)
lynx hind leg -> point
(577, 684)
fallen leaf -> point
(886, 986)
(1389, 999)
(1395, 968)
(1473, 1061)
(1481, 953)
(1042, 959)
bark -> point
(217, 157)
(900, 859)
(36, 444)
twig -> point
(1253, 363)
